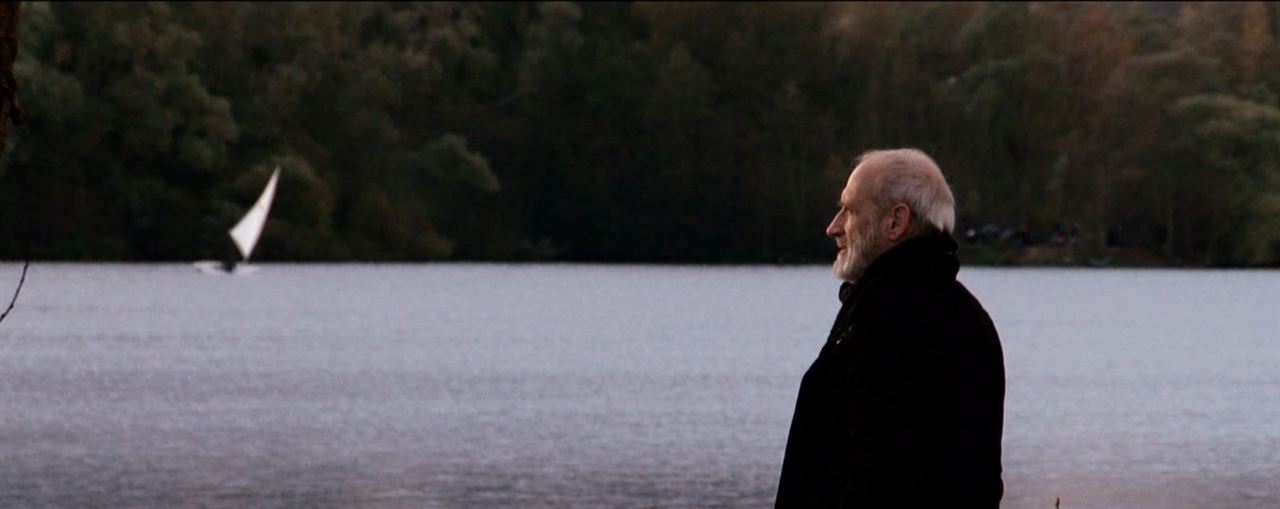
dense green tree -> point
(1234, 147)
(636, 131)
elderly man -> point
(904, 405)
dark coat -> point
(905, 404)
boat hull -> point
(217, 267)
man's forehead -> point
(846, 194)
(858, 179)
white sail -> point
(246, 232)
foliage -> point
(636, 132)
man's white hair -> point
(913, 178)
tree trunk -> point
(1169, 210)
(10, 110)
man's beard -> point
(858, 255)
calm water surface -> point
(548, 386)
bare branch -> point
(14, 300)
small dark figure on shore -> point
(904, 405)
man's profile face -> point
(854, 229)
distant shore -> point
(979, 255)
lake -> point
(549, 386)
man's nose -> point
(834, 229)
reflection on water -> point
(461, 386)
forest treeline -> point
(638, 132)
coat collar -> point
(929, 256)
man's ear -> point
(899, 222)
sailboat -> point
(245, 234)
